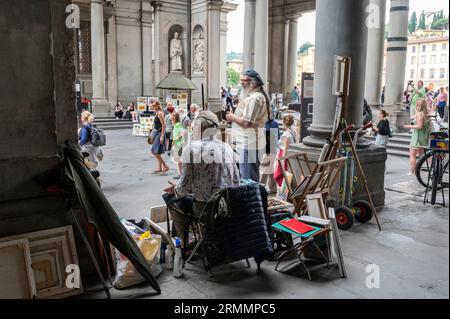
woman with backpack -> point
(383, 129)
(85, 141)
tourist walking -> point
(84, 139)
(169, 127)
(383, 129)
(441, 102)
(418, 93)
(159, 126)
(179, 139)
(295, 97)
(420, 133)
(287, 139)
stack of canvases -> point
(41, 264)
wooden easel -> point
(341, 83)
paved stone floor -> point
(412, 251)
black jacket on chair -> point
(243, 232)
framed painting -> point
(16, 275)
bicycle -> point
(438, 169)
(423, 165)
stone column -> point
(397, 46)
(147, 47)
(291, 65)
(344, 34)
(100, 106)
(111, 48)
(261, 38)
(157, 8)
(375, 51)
(214, 97)
(223, 49)
(249, 33)
(277, 54)
(396, 52)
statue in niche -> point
(176, 52)
(199, 54)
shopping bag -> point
(127, 275)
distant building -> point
(427, 58)
(236, 64)
(305, 63)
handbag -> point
(151, 137)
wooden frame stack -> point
(49, 252)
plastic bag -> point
(132, 229)
(127, 275)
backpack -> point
(98, 137)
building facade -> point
(125, 47)
(236, 64)
(305, 63)
(427, 60)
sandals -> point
(164, 171)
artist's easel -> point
(341, 89)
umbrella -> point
(176, 81)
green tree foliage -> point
(233, 77)
(441, 24)
(304, 47)
(422, 25)
(412, 25)
(435, 18)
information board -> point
(306, 112)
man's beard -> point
(245, 92)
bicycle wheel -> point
(423, 168)
(445, 176)
(435, 179)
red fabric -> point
(278, 173)
(297, 226)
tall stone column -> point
(344, 34)
(291, 65)
(223, 50)
(277, 53)
(396, 52)
(261, 38)
(214, 97)
(147, 48)
(100, 106)
(397, 46)
(157, 8)
(375, 51)
(249, 33)
(111, 49)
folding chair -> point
(298, 249)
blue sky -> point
(308, 21)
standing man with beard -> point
(248, 123)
